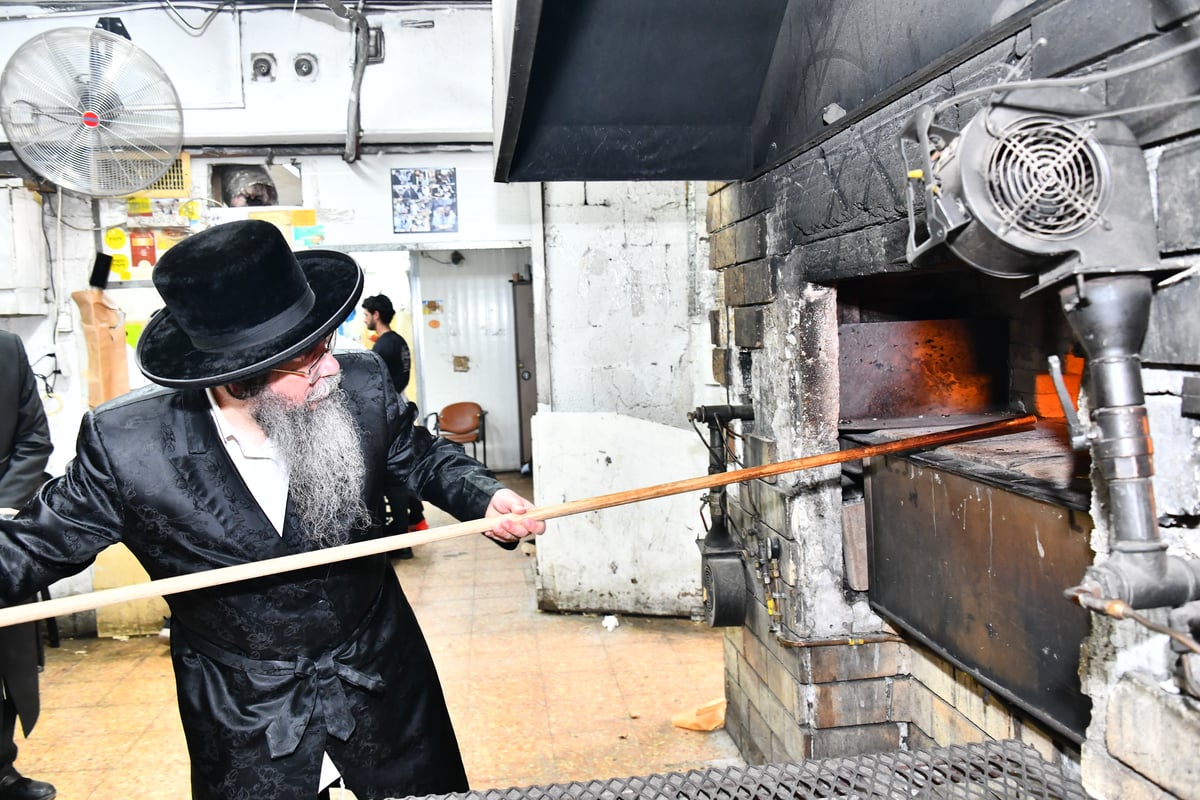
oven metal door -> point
(977, 573)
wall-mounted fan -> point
(1035, 184)
(90, 111)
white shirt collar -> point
(229, 435)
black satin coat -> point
(271, 672)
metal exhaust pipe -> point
(1109, 316)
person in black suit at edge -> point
(24, 450)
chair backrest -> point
(460, 418)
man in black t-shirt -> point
(407, 512)
(378, 314)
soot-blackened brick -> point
(748, 327)
(1178, 212)
(720, 365)
(716, 327)
(1170, 80)
(749, 284)
(875, 660)
(722, 249)
(1096, 27)
(844, 742)
(751, 241)
(862, 252)
(735, 286)
(847, 703)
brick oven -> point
(954, 595)
(920, 599)
(967, 549)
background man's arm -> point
(31, 444)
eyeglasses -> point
(324, 347)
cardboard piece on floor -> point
(707, 717)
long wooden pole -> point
(73, 604)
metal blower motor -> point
(1036, 183)
(1048, 182)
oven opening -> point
(969, 546)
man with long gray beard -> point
(318, 441)
(258, 442)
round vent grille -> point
(1047, 178)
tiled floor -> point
(536, 698)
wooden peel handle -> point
(73, 604)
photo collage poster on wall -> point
(424, 201)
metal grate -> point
(175, 183)
(1005, 770)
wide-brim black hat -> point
(238, 302)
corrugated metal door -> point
(466, 341)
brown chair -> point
(463, 423)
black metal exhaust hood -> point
(713, 89)
(617, 89)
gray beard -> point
(318, 440)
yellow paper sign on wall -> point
(121, 267)
(115, 238)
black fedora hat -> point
(239, 301)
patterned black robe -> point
(271, 672)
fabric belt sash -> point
(320, 678)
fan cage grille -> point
(1047, 178)
(90, 111)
